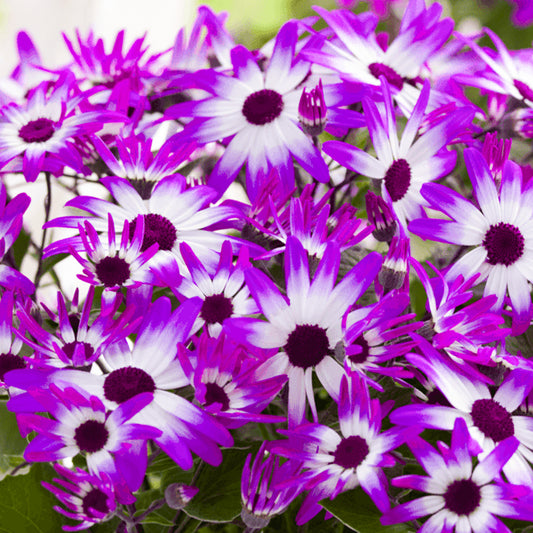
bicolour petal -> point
(355, 159)
(483, 183)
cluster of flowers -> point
(248, 261)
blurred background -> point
(252, 22)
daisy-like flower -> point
(87, 498)
(402, 165)
(173, 213)
(226, 384)
(461, 498)
(376, 337)
(333, 463)
(75, 342)
(112, 266)
(113, 446)
(42, 129)
(306, 324)
(224, 293)
(500, 230)
(489, 417)
(258, 111)
(460, 327)
(358, 55)
(151, 366)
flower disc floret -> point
(262, 107)
(216, 308)
(91, 436)
(351, 452)
(95, 500)
(462, 497)
(37, 131)
(125, 383)
(492, 419)
(214, 393)
(112, 271)
(504, 244)
(398, 179)
(157, 229)
(307, 345)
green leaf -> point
(20, 247)
(12, 445)
(357, 511)
(26, 506)
(52, 261)
(219, 494)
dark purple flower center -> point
(125, 383)
(9, 362)
(262, 107)
(216, 308)
(525, 90)
(157, 229)
(37, 131)
(504, 244)
(91, 436)
(87, 349)
(362, 356)
(351, 452)
(216, 394)
(112, 271)
(492, 419)
(95, 500)
(398, 179)
(379, 69)
(307, 345)
(462, 497)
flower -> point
(113, 446)
(402, 166)
(306, 323)
(333, 464)
(86, 497)
(42, 130)
(258, 112)
(462, 498)
(75, 342)
(226, 382)
(115, 267)
(489, 417)
(500, 230)
(224, 293)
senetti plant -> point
(299, 292)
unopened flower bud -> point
(312, 111)
(380, 216)
(178, 495)
(394, 270)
